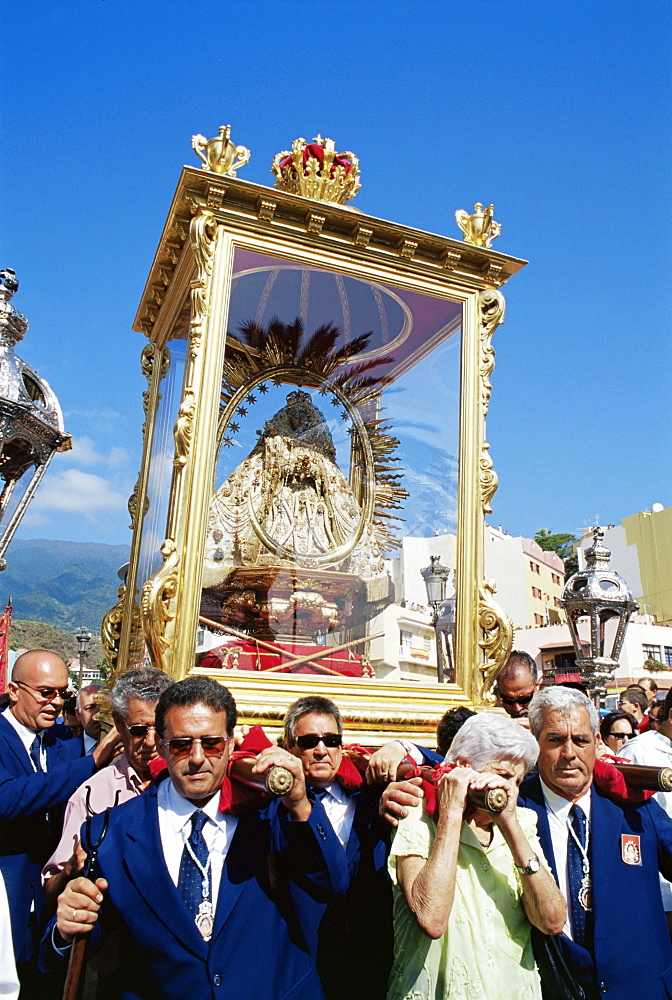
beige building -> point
(529, 579)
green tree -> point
(563, 545)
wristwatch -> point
(532, 866)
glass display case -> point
(318, 382)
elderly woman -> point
(469, 883)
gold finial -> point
(315, 170)
(220, 152)
(479, 229)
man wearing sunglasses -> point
(38, 773)
(133, 702)
(313, 732)
(200, 896)
(517, 684)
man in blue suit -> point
(351, 936)
(38, 774)
(200, 896)
(619, 851)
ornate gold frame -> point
(191, 275)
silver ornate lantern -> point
(31, 422)
(436, 579)
(601, 595)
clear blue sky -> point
(558, 112)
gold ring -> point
(74, 916)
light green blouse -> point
(485, 953)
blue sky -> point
(559, 113)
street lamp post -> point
(83, 638)
(600, 595)
(436, 579)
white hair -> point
(560, 699)
(488, 737)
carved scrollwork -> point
(133, 504)
(110, 635)
(487, 478)
(158, 594)
(497, 639)
(493, 308)
(202, 232)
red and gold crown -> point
(315, 170)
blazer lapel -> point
(235, 874)
(145, 866)
(604, 851)
(13, 742)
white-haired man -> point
(602, 854)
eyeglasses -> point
(622, 736)
(45, 693)
(212, 746)
(311, 740)
(523, 700)
(139, 732)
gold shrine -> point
(317, 387)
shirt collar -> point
(180, 810)
(89, 742)
(335, 791)
(25, 734)
(560, 806)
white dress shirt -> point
(90, 744)
(175, 814)
(340, 810)
(27, 736)
(558, 809)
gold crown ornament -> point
(315, 170)
(479, 229)
(219, 154)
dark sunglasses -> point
(311, 740)
(140, 731)
(525, 700)
(212, 746)
(45, 693)
(622, 736)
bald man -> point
(38, 774)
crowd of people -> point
(498, 865)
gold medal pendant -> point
(205, 919)
(586, 894)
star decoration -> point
(262, 388)
(277, 380)
(242, 410)
(234, 428)
(334, 401)
(251, 398)
(227, 442)
(344, 415)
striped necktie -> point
(35, 755)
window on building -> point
(426, 642)
(555, 578)
(651, 652)
(536, 592)
(405, 639)
(538, 619)
(668, 656)
(534, 567)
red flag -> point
(5, 623)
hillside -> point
(64, 584)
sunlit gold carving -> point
(266, 209)
(215, 196)
(479, 229)
(110, 634)
(492, 315)
(158, 594)
(219, 154)
(451, 259)
(407, 248)
(498, 639)
(315, 222)
(202, 238)
(133, 504)
(184, 428)
(494, 274)
(488, 479)
(363, 236)
(315, 170)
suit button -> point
(216, 980)
(603, 987)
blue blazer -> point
(258, 950)
(351, 936)
(30, 821)
(627, 907)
